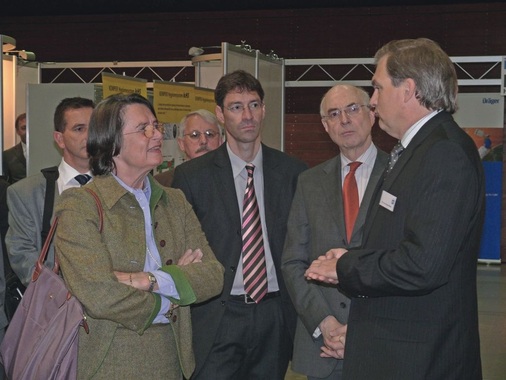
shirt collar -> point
(413, 130)
(146, 188)
(367, 158)
(238, 164)
(67, 172)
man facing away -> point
(14, 159)
(246, 332)
(199, 133)
(414, 307)
(317, 224)
(26, 198)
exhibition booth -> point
(480, 114)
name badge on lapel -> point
(388, 201)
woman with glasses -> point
(137, 277)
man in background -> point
(26, 199)
(199, 133)
(14, 159)
(321, 208)
(414, 312)
(241, 193)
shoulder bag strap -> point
(51, 174)
(47, 242)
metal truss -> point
(90, 72)
(484, 71)
(471, 71)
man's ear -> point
(409, 86)
(219, 114)
(58, 138)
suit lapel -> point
(224, 182)
(273, 186)
(375, 180)
(331, 186)
(387, 182)
(19, 153)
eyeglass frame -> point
(338, 112)
(151, 131)
(208, 134)
(239, 108)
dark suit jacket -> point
(315, 225)
(14, 164)
(165, 178)
(414, 307)
(209, 186)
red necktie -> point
(253, 256)
(350, 199)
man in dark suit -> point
(413, 284)
(242, 334)
(317, 224)
(14, 159)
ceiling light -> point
(8, 43)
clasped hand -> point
(324, 267)
(334, 338)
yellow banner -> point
(118, 84)
(204, 98)
(172, 100)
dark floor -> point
(492, 314)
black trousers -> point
(251, 344)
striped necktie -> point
(253, 256)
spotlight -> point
(8, 43)
(196, 51)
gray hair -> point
(365, 98)
(204, 114)
(428, 65)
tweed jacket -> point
(88, 259)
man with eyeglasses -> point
(246, 332)
(412, 283)
(317, 224)
(199, 133)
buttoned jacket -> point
(88, 258)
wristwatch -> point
(152, 281)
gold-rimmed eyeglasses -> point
(351, 111)
(149, 129)
(195, 135)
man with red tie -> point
(328, 211)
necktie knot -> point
(82, 179)
(354, 166)
(394, 156)
(250, 168)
